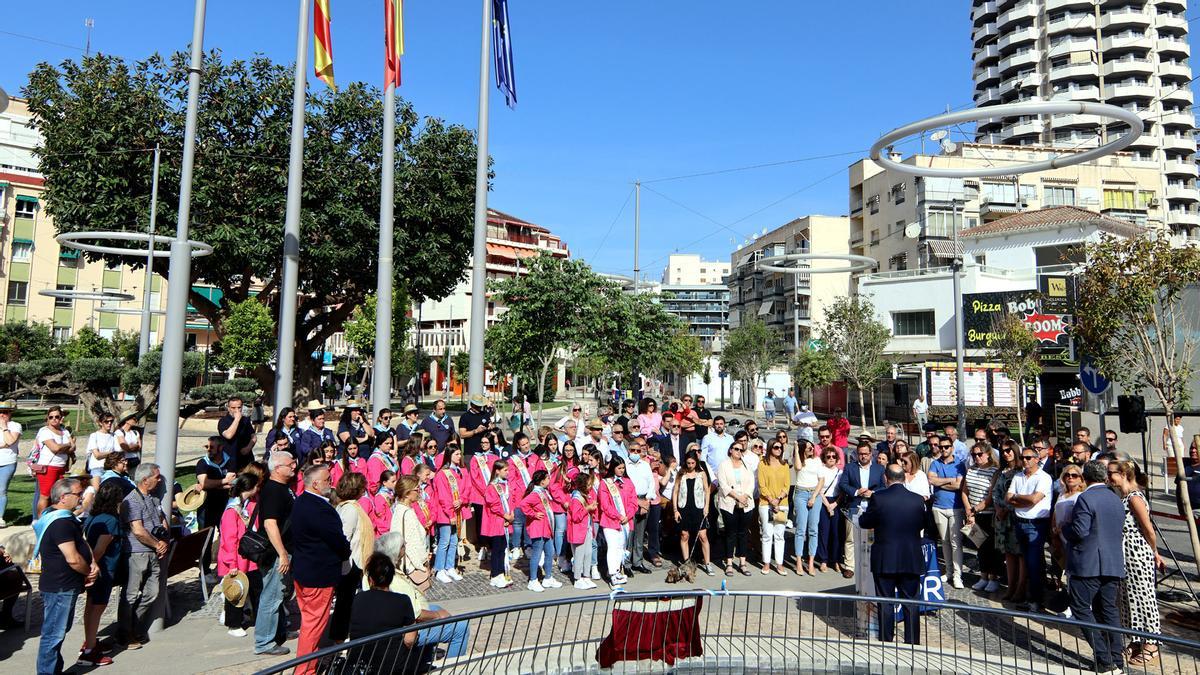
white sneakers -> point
(500, 581)
(551, 582)
(515, 554)
(455, 574)
(595, 573)
(585, 584)
(535, 587)
(619, 579)
(957, 583)
(237, 632)
(444, 577)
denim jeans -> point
(446, 555)
(455, 635)
(6, 474)
(542, 556)
(1032, 535)
(270, 611)
(560, 533)
(806, 523)
(57, 612)
(596, 537)
(519, 537)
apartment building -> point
(689, 269)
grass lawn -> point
(20, 492)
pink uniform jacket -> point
(407, 466)
(443, 496)
(379, 511)
(610, 515)
(479, 476)
(423, 507)
(517, 482)
(579, 521)
(232, 529)
(493, 524)
(539, 516)
(559, 493)
(357, 465)
(376, 465)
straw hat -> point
(479, 401)
(190, 499)
(235, 587)
(353, 404)
(411, 408)
(8, 406)
(596, 424)
(314, 405)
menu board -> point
(975, 387)
(1003, 391)
(941, 388)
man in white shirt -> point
(595, 436)
(617, 444)
(1029, 497)
(638, 470)
(715, 448)
(920, 411)
(100, 445)
(805, 422)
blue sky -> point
(609, 92)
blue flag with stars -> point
(506, 79)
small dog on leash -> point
(684, 572)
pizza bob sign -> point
(980, 310)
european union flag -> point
(506, 79)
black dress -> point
(691, 514)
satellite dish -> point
(937, 135)
(949, 146)
(3, 100)
(912, 230)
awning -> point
(69, 253)
(27, 198)
(944, 248)
(766, 307)
(20, 240)
(510, 252)
(213, 294)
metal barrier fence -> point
(701, 631)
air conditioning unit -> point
(1153, 203)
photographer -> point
(477, 421)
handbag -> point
(420, 577)
(255, 546)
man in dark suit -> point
(318, 550)
(859, 481)
(671, 442)
(897, 562)
(1096, 564)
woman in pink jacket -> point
(382, 459)
(497, 521)
(378, 506)
(649, 419)
(581, 511)
(618, 506)
(560, 493)
(539, 523)
(424, 506)
(234, 520)
(349, 463)
(451, 508)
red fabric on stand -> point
(655, 630)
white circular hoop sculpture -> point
(1112, 112)
(86, 295)
(74, 240)
(858, 263)
(130, 311)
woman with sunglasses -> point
(773, 479)
(1070, 486)
(1138, 602)
(977, 510)
(736, 502)
(831, 526)
(53, 453)
(1007, 542)
(383, 458)
(649, 419)
(810, 486)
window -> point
(25, 208)
(912, 323)
(62, 333)
(1002, 193)
(1119, 199)
(874, 201)
(18, 292)
(69, 257)
(22, 251)
(1060, 196)
(64, 303)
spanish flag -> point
(323, 45)
(393, 19)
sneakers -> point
(454, 574)
(992, 586)
(551, 582)
(515, 554)
(2, 523)
(584, 584)
(979, 585)
(619, 579)
(443, 577)
(535, 587)
(500, 581)
(277, 650)
(595, 573)
(237, 632)
(957, 583)
(93, 657)
(708, 569)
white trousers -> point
(615, 555)
(772, 536)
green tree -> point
(94, 113)
(359, 331)
(635, 333)
(21, 341)
(856, 340)
(1014, 346)
(813, 368)
(750, 351)
(552, 308)
(1136, 317)
(125, 346)
(86, 343)
(250, 336)
(460, 365)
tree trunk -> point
(862, 409)
(542, 390)
(1021, 424)
(1185, 499)
(96, 404)
(874, 419)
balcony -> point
(990, 139)
(438, 340)
(1170, 46)
(1175, 22)
(1017, 37)
(1074, 71)
(1076, 94)
(984, 75)
(1126, 18)
(1177, 69)
(989, 96)
(1024, 11)
(1072, 23)
(1179, 217)
(1067, 121)
(1029, 57)
(1076, 45)
(986, 53)
(1123, 66)
(1023, 128)
(1177, 95)
(1180, 143)
(1175, 167)
(1182, 193)
(1127, 42)
(983, 10)
(1114, 92)
(985, 33)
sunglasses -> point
(979, 454)
(54, 417)
(1073, 475)
(1028, 458)
(946, 447)
(824, 437)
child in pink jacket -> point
(539, 523)
(382, 459)
(378, 506)
(618, 507)
(496, 523)
(234, 521)
(349, 463)
(451, 507)
(581, 509)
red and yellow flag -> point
(393, 19)
(323, 44)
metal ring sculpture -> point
(1010, 110)
(130, 311)
(64, 294)
(858, 263)
(73, 240)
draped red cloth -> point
(659, 630)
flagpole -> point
(479, 261)
(285, 359)
(381, 393)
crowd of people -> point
(346, 509)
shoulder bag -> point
(419, 577)
(255, 546)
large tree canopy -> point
(100, 117)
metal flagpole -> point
(285, 360)
(956, 270)
(170, 381)
(479, 262)
(381, 393)
(144, 342)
